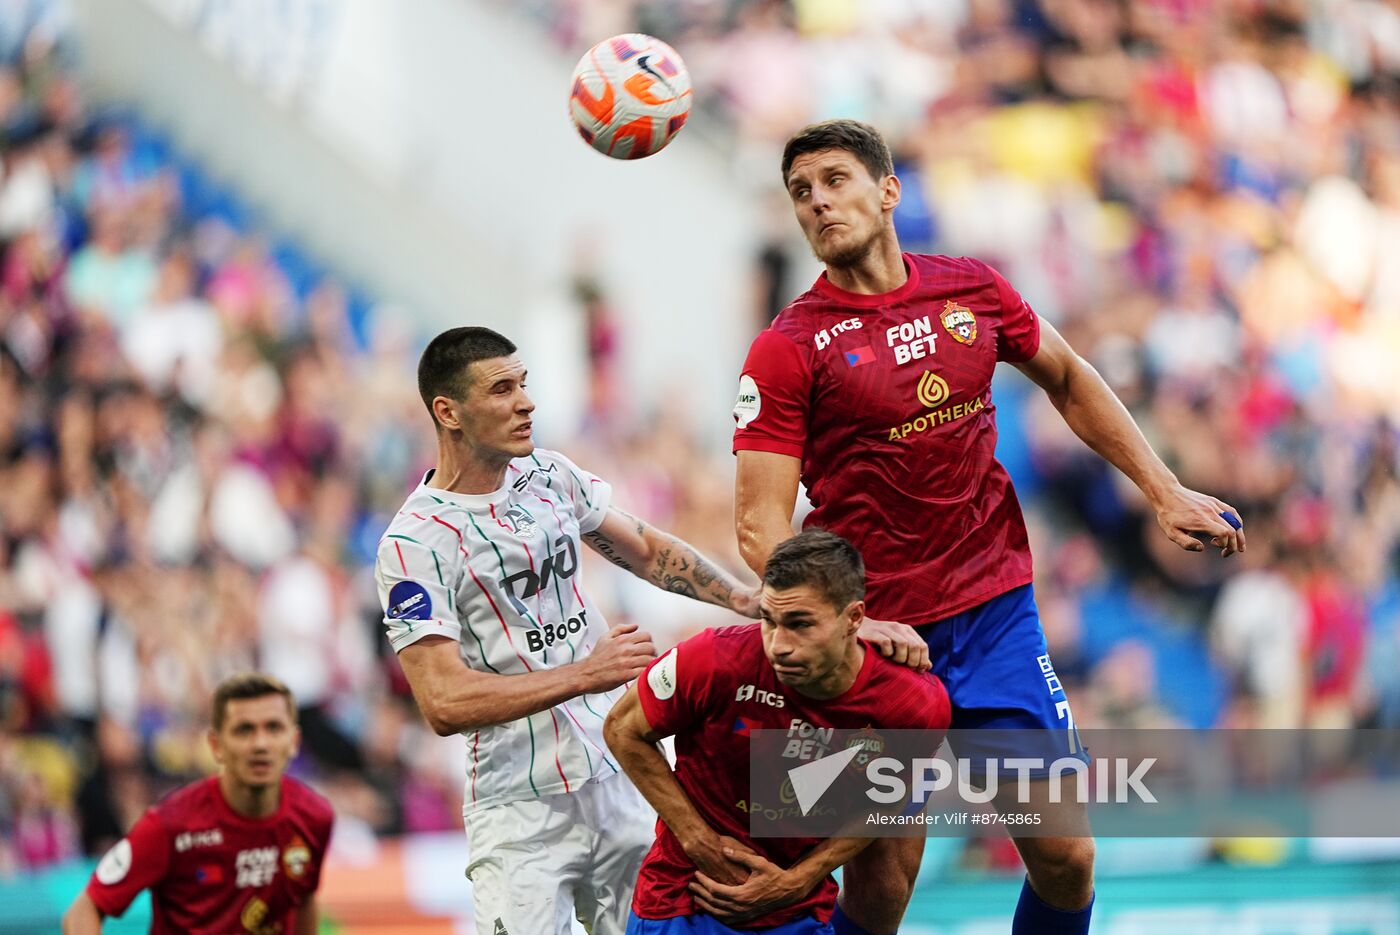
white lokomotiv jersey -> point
(500, 574)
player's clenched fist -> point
(619, 657)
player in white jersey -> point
(484, 603)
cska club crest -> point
(959, 322)
(296, 858)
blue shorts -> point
(709, 925)
(994, 663)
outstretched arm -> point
(669, 562)
(1098, 417)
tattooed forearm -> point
(680, 569)
(608, 549)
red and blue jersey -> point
(887, 401)
(710, 692)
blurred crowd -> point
(200, 445)
(1205, 198)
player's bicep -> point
(628, 721)
(434, 669)
(766, 483)
(621, 538)
(1053, 362)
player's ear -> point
(215, 747)
(855, 615)
(890, 192)
(446, 414)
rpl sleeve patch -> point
(662, 677)
(748, 403)
(409, 600)
(115, 864)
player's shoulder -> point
(938, 268)
(192, 802)
(893, 677)
(730, 649)
(307, 803)
(428, 519)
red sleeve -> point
(1019, 336)
(770, 413)
(675, 689)
(134, 863)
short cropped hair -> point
(442, 370)
(243, 686)
(859, 139)
(821, 559)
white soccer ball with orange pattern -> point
(630, 95)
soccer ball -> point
(630, 95)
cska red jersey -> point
(212, 871)
(710, 692)
(887, 401)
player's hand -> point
(1182, 512)
(618, 658)
(768, 887)
(897, 642)
(710, 853)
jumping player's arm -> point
(770, 416)
(668, 562)
(1101, 420)
(456, 698)
(765, 494)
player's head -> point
(813, 603)
(474, 387)
(254, 732)
(841, 180)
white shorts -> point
(537, 863)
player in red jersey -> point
(802, 667)
(874, 390)
(238, 853)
